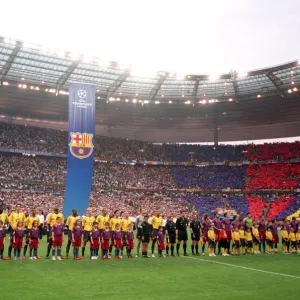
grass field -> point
(246, 277)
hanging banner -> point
(81, 141)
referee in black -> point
(181, 232)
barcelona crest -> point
(81, 145)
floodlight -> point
(187, 102)
(156, 102)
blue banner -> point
(80, 147)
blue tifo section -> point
(218, 177)
(81, 141)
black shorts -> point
(70, 235)
(243, 242)
(195, 237)
(211, 244)
(249, 244)
(236, 244)
(269, 243)
(154, 233)
(223, 243)
(87, 236)
(255, 241)
(139, 233)
(172, 238)
(182, 235)
(294, 244)
(146, 238)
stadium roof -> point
(25, 64)
(265, 103)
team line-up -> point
(107, 232)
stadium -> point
(117, 185)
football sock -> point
(9, 250)
(53, 252)
(138, 248)
(110, 249)
(82, 251)
(264, 246)
(30, 252)
(49, 247)
(34, 252)
(177, 248)
(15, 252)
(152, 246)
(167, 249)
(197, 249)
(184, 248)
(58, 251)
(19, 252)
(203, 248)
(192, 247)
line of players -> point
(113, 231)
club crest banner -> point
(81, 143)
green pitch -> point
(247, 277)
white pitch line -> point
(241, 267)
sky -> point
(183, 37)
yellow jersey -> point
(284, 234)
(242, 234)
(15, 217)
(71, 222)
(113, 222)
(211, 235)
(269, 235)
(4, 218)
(52, 219)
(248, 236)
(124, 224)
(255, 233)
(236, 236)
(87, 223)
(292, 236)
(101, 220)
(298, 236)
(156, 222)
(29, 221)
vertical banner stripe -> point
(81, 140)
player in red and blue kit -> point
(18, 236)
(262, 226)
(129, 241)
(204, 230)
(217, 227)
(118, 237)
(106, 237)
(77, 234)
(95, 240)
(57, 238)
(161, 241)
(34, 235)
(2, 238)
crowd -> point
(214, 178)
(273, 176)
(55, 141)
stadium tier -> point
(265, 181)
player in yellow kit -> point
(285, 240)
(249, 241)
(236, 241)
(212, 238)
(50, 223)
(15, 217)
(28, 225)
(156, 222)
(242, 240)
(125, 223)
(70, 225)
(112, 225)
(255, 234)
(269, 240)
(293, 240)
(298, 240)
(87, 224)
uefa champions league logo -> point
(81, 94)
